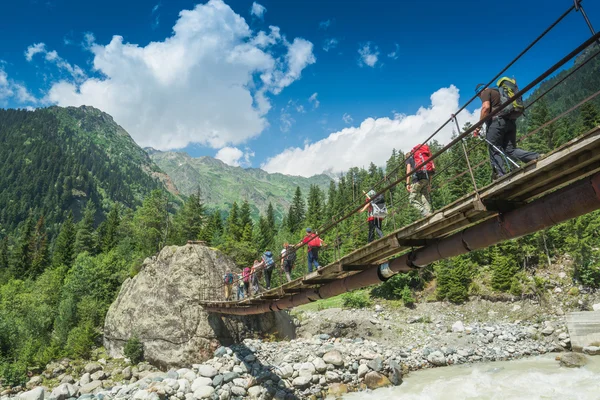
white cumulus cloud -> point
(347, 118)
(10, 89)
(314, 101)
(330, 44)
(258, 10)
(52, 57)
(368, 55)
(208, 83)
(373, 140)
(394, 54)
(234, 156)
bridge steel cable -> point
(540, 78)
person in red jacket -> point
(314, 243)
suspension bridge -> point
(563, 184)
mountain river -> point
(527, 379)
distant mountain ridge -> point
(221, 184)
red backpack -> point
(421, 153)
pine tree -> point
(590, 117)
(151, 222)
(314, 215)
(296, 212)
(38, 248)
(189, 220)
(84, 239)
(233, 227)
(544, 140)
(246, 222)
(64, 247)
(110, 229)
(22, 254)
(271, 218)
(4, 260)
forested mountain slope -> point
(54, 160)
(221, 184)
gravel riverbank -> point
(316, 365)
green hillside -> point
(221, 184)
(54, 160)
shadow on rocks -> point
(264, 381)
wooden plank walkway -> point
(571, 162)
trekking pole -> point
(506, 158)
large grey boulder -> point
(35, 394)
(65, 391)
(160, 305)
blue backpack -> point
(268, 259)
(228, 278)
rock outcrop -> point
(161, 306)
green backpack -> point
(507, 88)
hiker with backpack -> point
(418, 180)
(288, 258)
(256, 275)
(246, 275)
(502, 129)
(314, 243)
(268, 264)
(377, 211)
(228, 282)
(240, 286)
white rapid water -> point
(527, 379)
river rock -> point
(254, 392)
(573, 360)
(238, 391)
(376, 364)
(34, 394)
(127, 373)
(592, 350)
(92, 367)
(437, 358)
(458, 326)
(64, 391)
(90, 387)
(596, 307)
(207, 371)
(33, 382)
(98, 376)
(199, 382)
(320, 365)
(334, 357)
(229, 376)
(168, 285)
(375, 380)
(302, 381)
(362, 370)
(204, 392)
(336, 390)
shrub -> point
(358, 299)
(454, 279)
(134, 350)
(407, 297)
(81, 340)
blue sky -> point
(202, 76)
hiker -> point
(314, 243)
(240, 286)
(228, 281)
(246, 275)
(377, 211)
(268, 264)
(418, 181)
(288, 258)
(256, 274)
(502, 129)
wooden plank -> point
(292, 290)
(357, 267)
(319, 281)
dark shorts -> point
(288, 265)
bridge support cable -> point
(579, 8)
(572, 201)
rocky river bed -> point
(315, 367)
